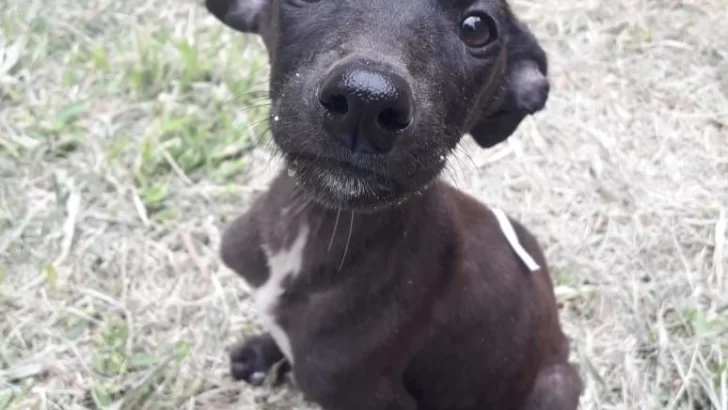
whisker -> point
(256, 96)
(348, 240)
(251, 94)
(302, 208)
(295, 193)
(274, 150)
(470, 159)
(321, 221)
(293, 197)
(448, 169)
(416, 160)
(258, 123)
(257, 137)
(257, 105)
(455, 164)
(333, 234)
(255, 108)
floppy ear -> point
(242, 15)
(526, 88)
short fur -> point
(386, 287)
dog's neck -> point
(339, 234)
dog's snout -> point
(365, 108)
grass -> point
(132, 132)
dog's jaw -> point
(339, 185)
(348, 187)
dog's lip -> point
(300, 160)
(340, 184)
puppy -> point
(380, 285)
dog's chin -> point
(341, 186)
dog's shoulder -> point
(491, 236)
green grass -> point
(140, 87)
(119, 105)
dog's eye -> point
(477, 30)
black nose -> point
(365, 108)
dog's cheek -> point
(420, 159)
(415, 172)
(295, 112)
(489, 88)
(458, 80)
(282, 120)
(439, 106)
(292, 124)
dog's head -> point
(370, 96)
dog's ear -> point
(526, 88)
(242, 15)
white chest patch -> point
(282, 264)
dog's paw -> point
(246, 366)
(254, 359)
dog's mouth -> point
(342, 184)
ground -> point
(131, 132)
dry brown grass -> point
(125, 147)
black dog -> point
(383, 287)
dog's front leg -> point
(241, 251)
(241, 247)
(357, 360)
(334, 391)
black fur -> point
(406, 295)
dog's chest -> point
(284, 265)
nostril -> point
(392, 119)
(336, 104)
(366, 108)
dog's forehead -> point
(381, 4)
(454, 3)
(466, 4)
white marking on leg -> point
(283, 264)
(510, 233)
